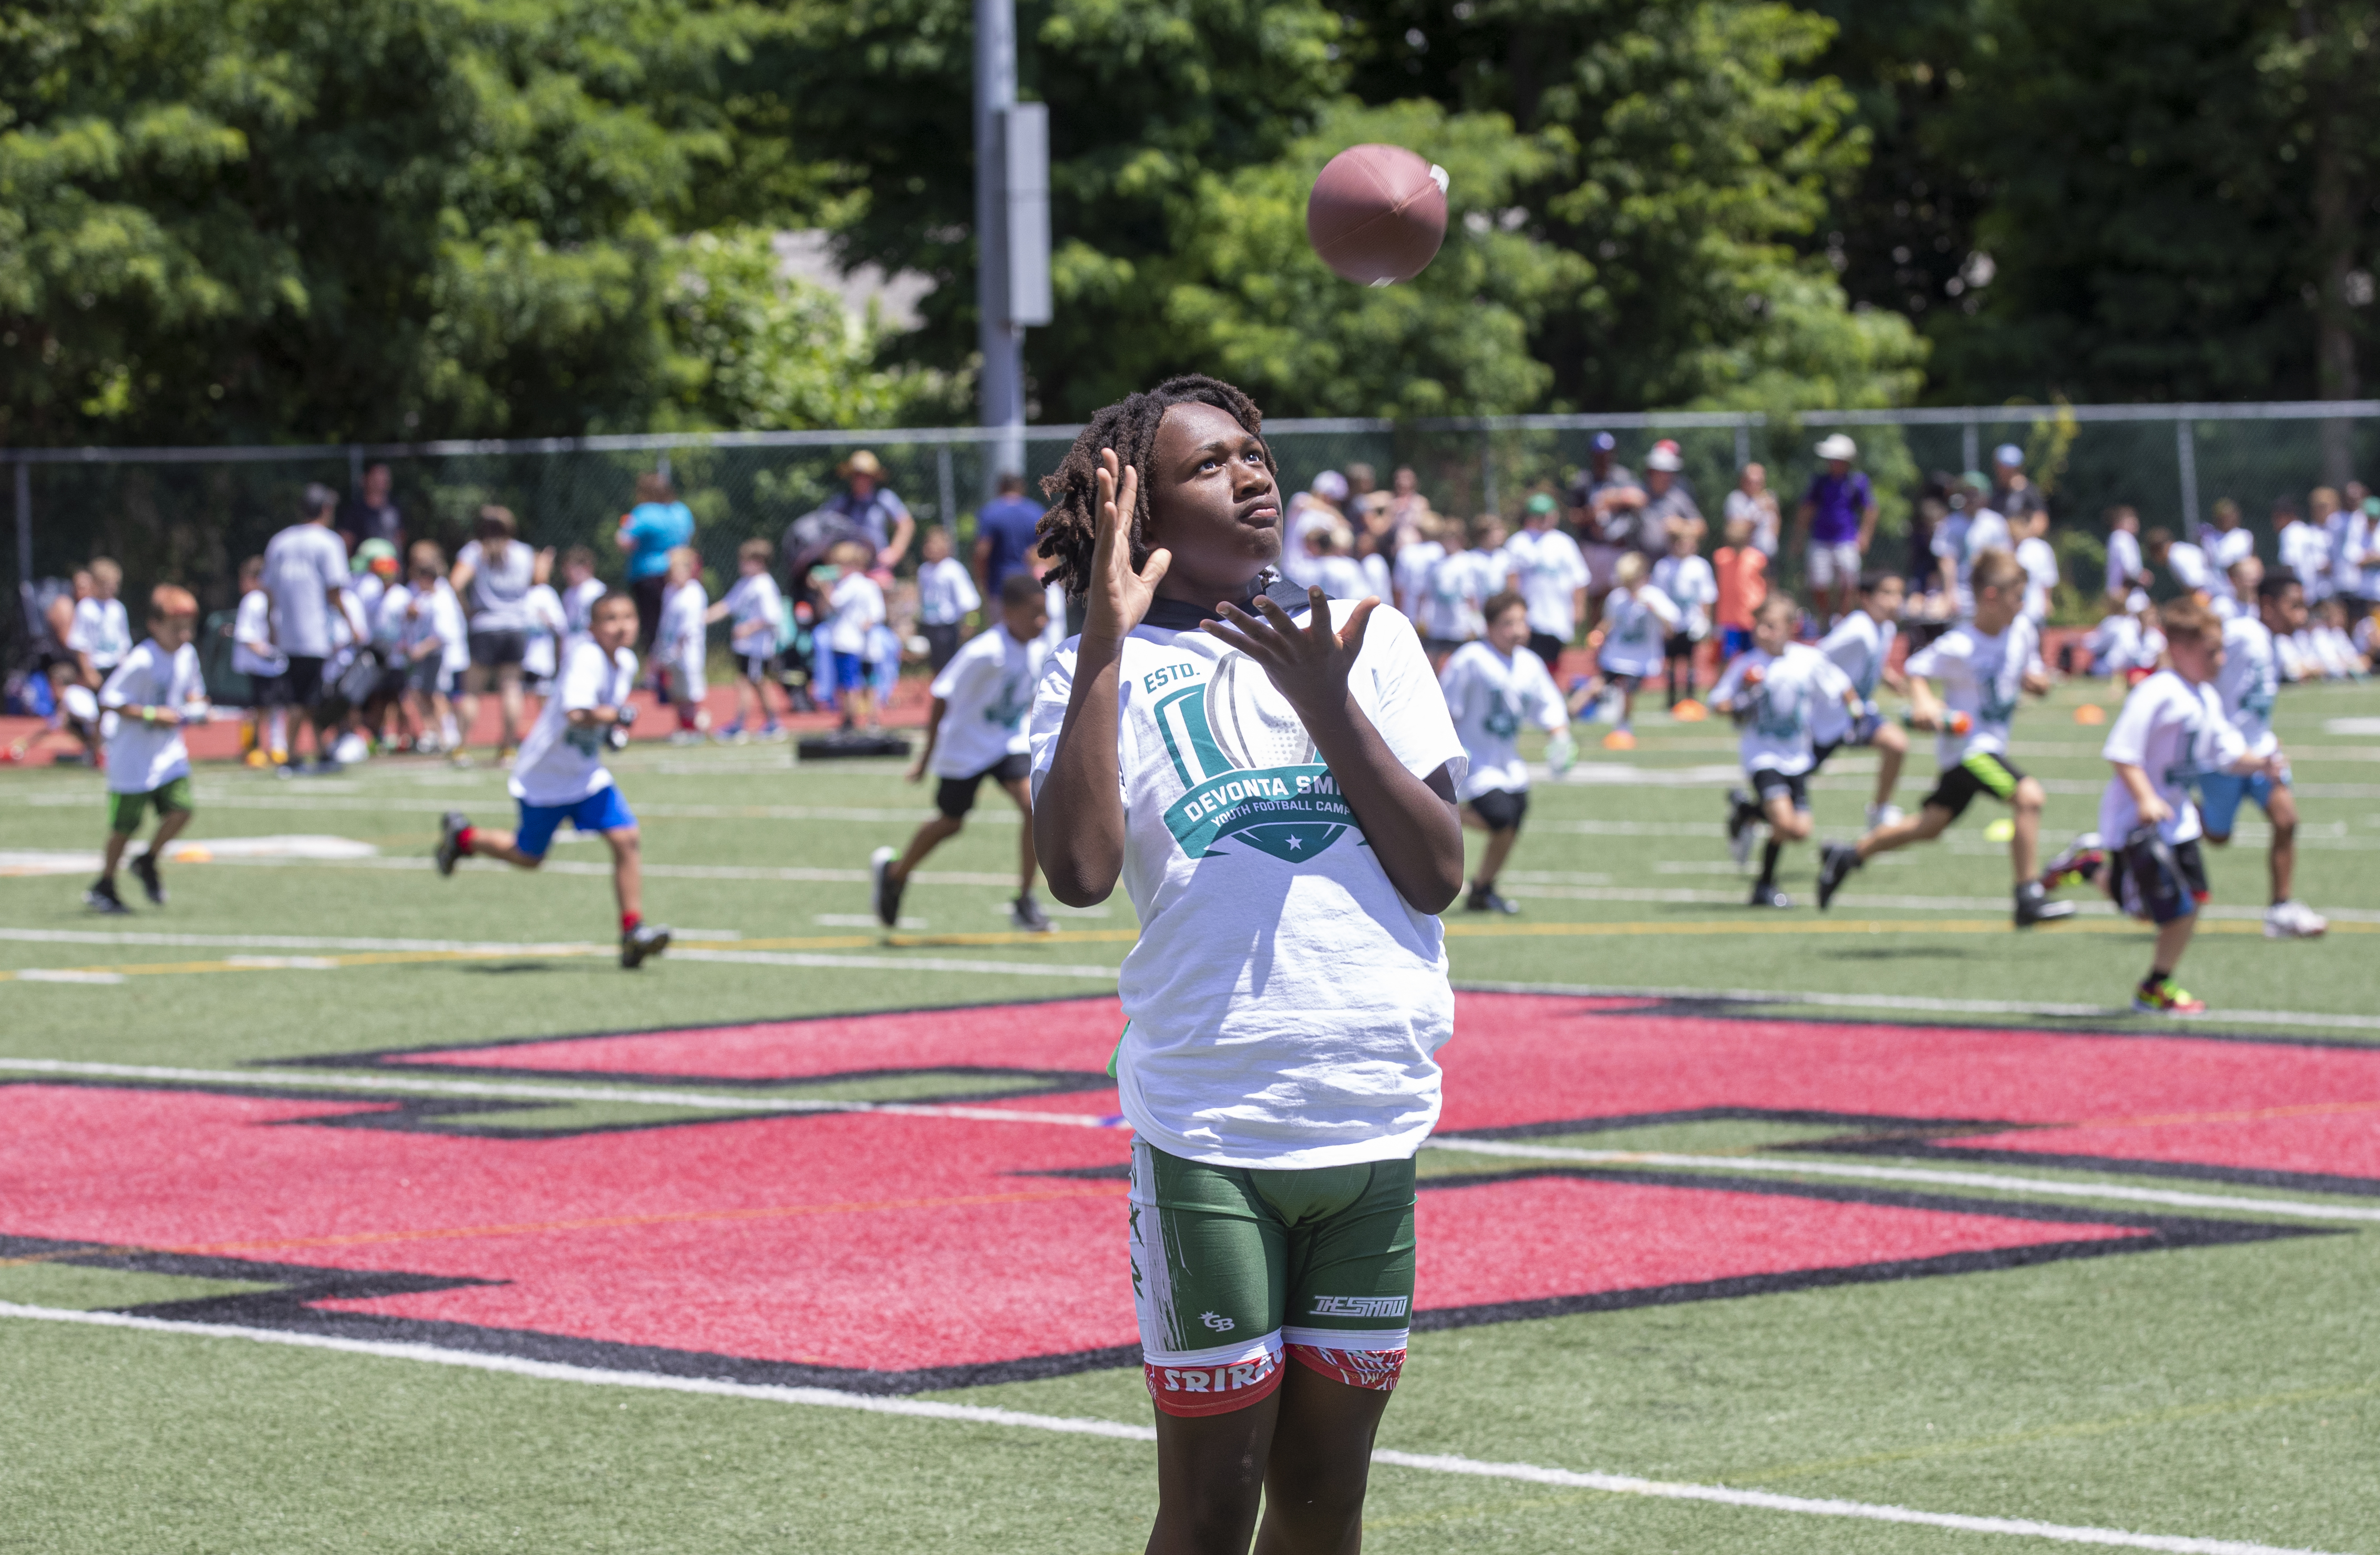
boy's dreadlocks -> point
(1068, 532)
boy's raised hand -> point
(1309, 664)
(1116, 598)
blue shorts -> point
(2220, 794)
(1733, 640)
(850, 670)
(603, 810)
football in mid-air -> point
(1378, 214)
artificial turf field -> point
(1796, 1220)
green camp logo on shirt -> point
(1016, 700)
(1292, 811)
(1498, 720)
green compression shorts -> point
(1231, 1266)
(124, 810)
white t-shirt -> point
(1552, 570)
(1459, 585)
(541, 609)
(856, 604)
(500, 585)
(1964, 536)
(680, 638)
(987, 691)
(252, 652)
(436, 614)
(1692, 586)
(558, 764)
(945, 592)
(2305, 551)
(2250, 681)
(1490, 696)
(101, 629)
(1762, 514)
(2040, 565)
(141, 757)
(1053, 599)
(1795, 687)
(579, 604)
(2123, 562)
(1415, 563)
(2188, 565)
(2175, 732)
(753, 606)
(1636, 626)
(2225, 549)
(2337, 650)
(1377, 581)
(1860, 646)
(1981, 676)
(302, 565)
(388, 617)
(1284, 1001)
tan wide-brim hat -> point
(860, 463)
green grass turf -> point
(2223, 1391)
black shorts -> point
(941, 644)
(268, 690)
(2160, 882)
(1769, 784)
(1546, 646)
(1677, 644)
(304, 680)
(955, 796)
(757, 668)
(1980, 773)
(1501, 808)
(495, 650)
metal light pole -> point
(1011, 223)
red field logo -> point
(979, 1237)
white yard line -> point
(1918, 1003)
(899, 964)
(978, 1414)
(2231, 1203)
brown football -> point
(1378, 214)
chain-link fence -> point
(191, 516)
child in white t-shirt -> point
(1638, 620)
(434, 647)
(102, 633)
(1493, 687)
(548, 625)
(2171, 732)
(681, 647)
(1688, 582)
(1986, 665)
(854, 609)
(559, 776)
(2039, 560)
(1861, 645)
(946, 596)
(975, 729)
(153, 691)
(753, 609)
(1415, 576)
(1775, 693)
(266, 731)
(580, 589)
(1271, 775)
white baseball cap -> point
(1330, 486)
(1664, 455)
(1839, 447)
(2010, 455)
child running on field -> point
(1861, 645)
(2171, 731)
(1986, 665)
(1775, 693)
(154, 689)
(1637, 621)
(1276, 789)
(1492, 688)
(753, 607)
(975, 730)
(560, 775)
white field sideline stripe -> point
(531, 1090)
(2289, 1207)
(978, 1414)
(1923, 1003)
(898, 962)
(292, 941)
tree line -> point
(262, 220)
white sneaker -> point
(1882, 815)
(2293, 920)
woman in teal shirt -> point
(649, 532)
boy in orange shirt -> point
(1743, 584)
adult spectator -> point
(1752, 501)
(1003, 536)
(658, 525)
(1605, 495)
(880, 514)
(1669, 507)
(2013, 494)
(306, 578)
(1837, 520)
(1406, 506)
(1362, 481)
(492, 575)
(2226, 541)
(368, 515)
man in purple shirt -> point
(1837, 519)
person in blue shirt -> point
(1004, 536)
(649, 532)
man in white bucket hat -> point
(1837, 519)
